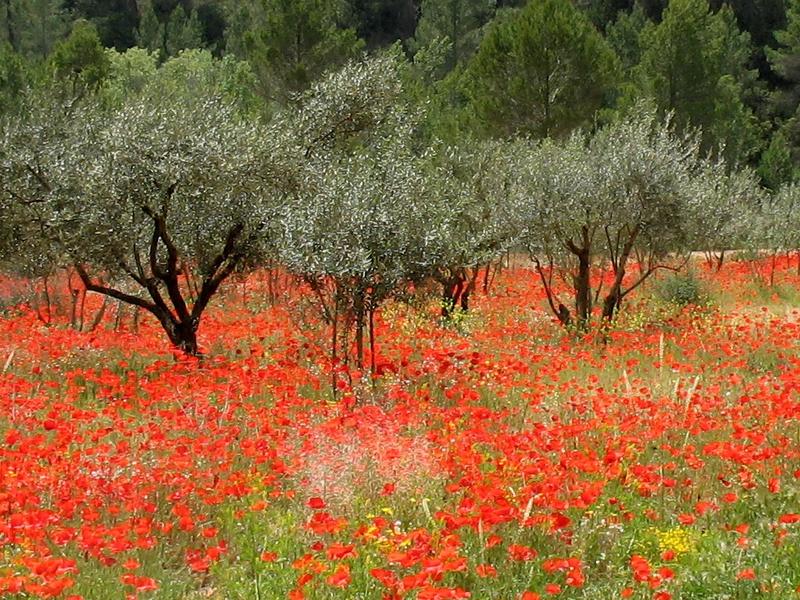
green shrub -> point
(682, 289)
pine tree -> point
(179, 32)
(182, 32)
(459, 21)
(81, 60)
(8, 28)
(150, 33)
(289, 43)
(624, 36)
(694, 63)
(12, 78)
(543, 70)
(33, 27)
(776, 166)
(785, 63)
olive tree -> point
(360, 222)
(24, 248)
(138, 196)
(594, 205)
(358, 238)
(471, 186)
(778, 221)
(646, 170)
(724, 205)
(775, 225)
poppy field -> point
(492, 456)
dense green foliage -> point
(543, 71)
(492, 66)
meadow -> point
(492, 456)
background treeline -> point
(485, 67)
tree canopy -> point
(543, 70)
(694, 63)
(140, 196)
